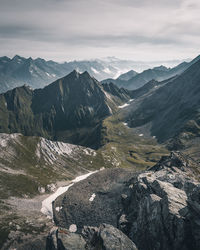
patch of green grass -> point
(126, 147)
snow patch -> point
(124, 105)
(58, 209)
(47, 203)
(107, 71)
(91, 110)
(107, 95)
(53, 75)
(140, 134)
(95, 71)
(92, 197)
(47, 74)
(110, 110)
(125, 124)
(73, 228)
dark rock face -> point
(61, 239)
(121, 93)
(96, 200)
(70, 109)
(172, 109)
(157, 209)
(106, 237)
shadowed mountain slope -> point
(70, 109)
(157, 73)
(172, 109)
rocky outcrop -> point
(93, 201)
(157, 209)
(106, 237)
(164, 206)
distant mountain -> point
(39, 73)
(157, 73)
(128, 75)
(172, 109)
(70, 109)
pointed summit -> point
(17, 58)
(74, 74)
(85, 73)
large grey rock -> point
(114, 239)
(93, 201)
(163, 208)
(106, 237)
(61, 239)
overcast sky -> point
(82, 29)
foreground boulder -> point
(106, 237)
(93, 201)
(156, 209)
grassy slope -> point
(126, 147)
(22, 173)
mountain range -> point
(133, 80)
(172, 109)
(131, 192)
(37, 73)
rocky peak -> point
(74, 75)
(17, 57)
(175, 160)
(161, 68)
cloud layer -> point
(76, 29)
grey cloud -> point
(100, 25)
